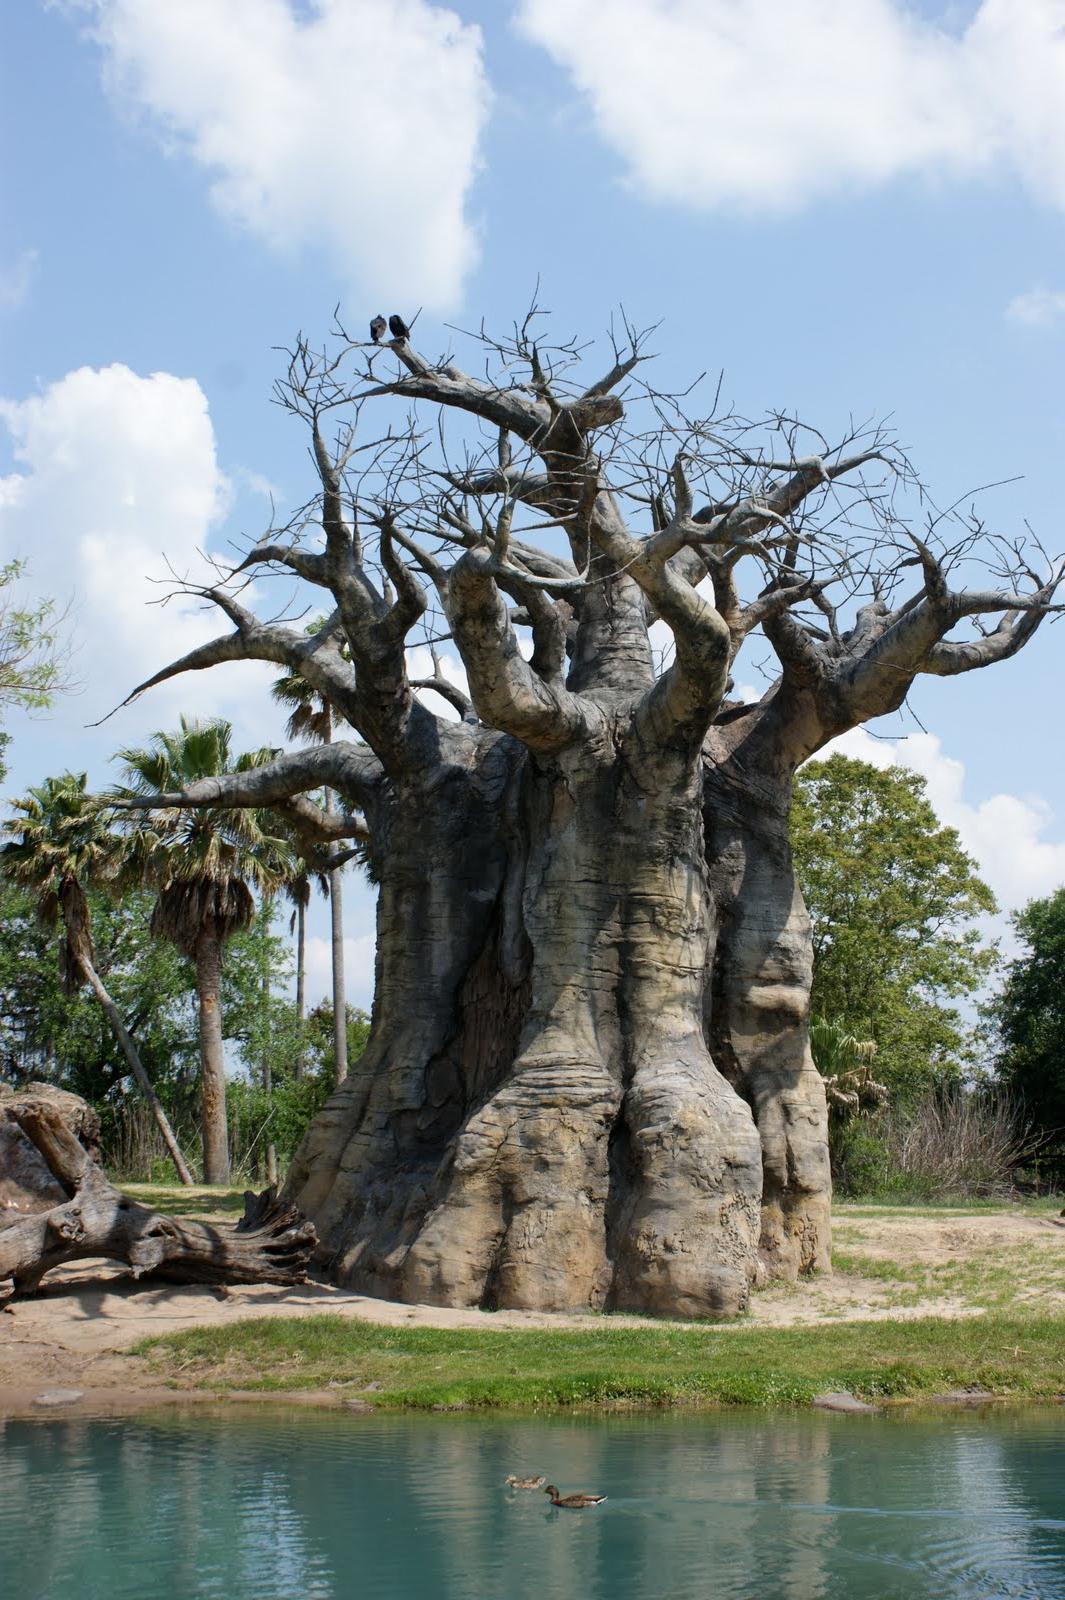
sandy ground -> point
(78, 1331)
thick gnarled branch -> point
(507, 693)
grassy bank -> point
(425, 1367)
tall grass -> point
(946, 1144)
(133, 1148)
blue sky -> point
(849, 206)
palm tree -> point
(59, 844)
(204, 863)
(843, 1060)
(311, 719)
(297, 890)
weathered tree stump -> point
(271, 1244)
(26, 1183)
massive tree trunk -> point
(757, 1008)
(538, 1119)
(212, 1059)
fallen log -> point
(271, 1244)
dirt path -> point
(77, 1333)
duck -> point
(524, 1483)
(573, 1502)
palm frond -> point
(203, 862)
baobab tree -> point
(588, 1080)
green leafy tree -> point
(893, 900)
(321, 1035)
(1030, 1017)
(205, 862)
(288, 1059)
(30, 666)
(58, 843)
(66, 1040)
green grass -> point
(423, 1367)
(871, 1207)
(177, 1201)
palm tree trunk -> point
(301, 981)
(212, 1060)
(340, 1005)
(268, 1076)
(129, 1050)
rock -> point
(457, 1405)
(963, 1397)
(371, 1388)
(360, 1407)
(843, 1400)
(58, 1397)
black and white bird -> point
(377, 329)
(397, 327)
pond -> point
(295, 1504)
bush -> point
(946, 1144)
(133, 1147)
(280, 1117)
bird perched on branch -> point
(377, 329)
(398, 327)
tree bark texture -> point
(301, 984)
(212, 1060)
(272, 1244)
(336, 949)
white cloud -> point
(1038, 308)
(420, 665)
(352, 128)
(358, 969)
(764, 106)
(114, 474)
(1004, 833)
(15, 280)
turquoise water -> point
(303, 1505)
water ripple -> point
(277, 1504)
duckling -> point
(573, 1502)
(524, 1483)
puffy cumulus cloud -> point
(1004, 833)
(115, 474)
(1038, 308)
(348, 127)
(764, 106)
(358, 953)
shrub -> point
(946, 1144)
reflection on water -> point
(298, 1505)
